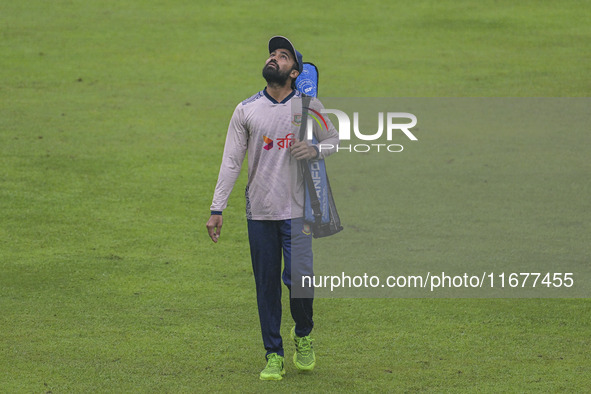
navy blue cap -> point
(283, 43)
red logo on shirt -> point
(282, 143)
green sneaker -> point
(304, 358)
(274, 369)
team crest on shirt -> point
(297, 119)
(306, 229)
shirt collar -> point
(285, 100)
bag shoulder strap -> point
(314, 202)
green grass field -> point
(112, 122)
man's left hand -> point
(300, 150)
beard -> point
(274, 76)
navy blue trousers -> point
(269, 240)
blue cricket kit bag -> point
(320, 211)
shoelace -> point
(274, 361)
(304, 345)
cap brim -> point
(281, 42)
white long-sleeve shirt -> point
(264, 128)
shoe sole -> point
(272, 377)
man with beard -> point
(266, 126)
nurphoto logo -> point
(396, 122)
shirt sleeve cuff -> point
(216, 212)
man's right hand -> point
(214, 227)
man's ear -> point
(294, 76)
